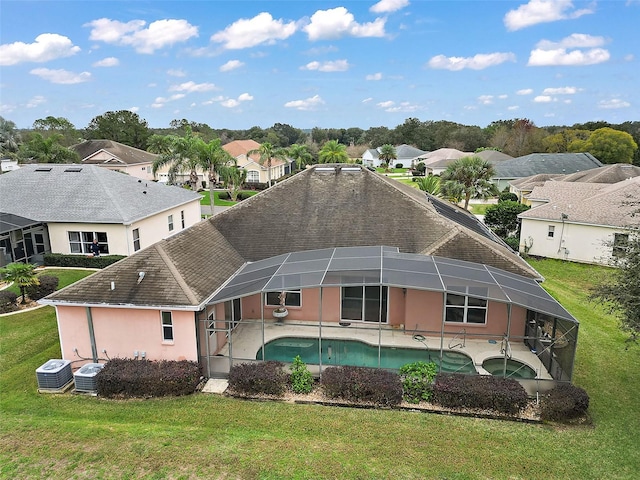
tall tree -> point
(46, 150)
(333, 152)
(22, 274)
(502, 218)
(472, 174)
(234, 178)
(267, 153)
(301, 154)
(387, 154)
(181, 157)
(212, 158)
(122, 126)
(9, 138)
(52, 125)
(608, 146)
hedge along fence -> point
(80, 261)
(362, 384)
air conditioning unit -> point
(54, 375)
(85, 377)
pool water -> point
(360, 354)
(515, 369)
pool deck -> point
(247, 339)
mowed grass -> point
(209, 436)
(206, 198)
(66, 276)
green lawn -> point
(65, 277)
(208, 436)
(221, 203)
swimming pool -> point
(515, 369)
(360, 354)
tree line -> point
(610, 143)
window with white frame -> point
(170, 222)
(465, 309)
(551, 232)
(80, 242)
(253, 176)
(293, 298)
(136, 239)
(167, 327)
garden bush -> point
(417, 381)
(564, 402)
(258, 378)
(300, 377)
(362, 384)
(8, 301)
(47, 285)
(227, 196)
(503, 395)
(508, 196)
(123, 377)
(81, 261)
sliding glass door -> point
(364, 303)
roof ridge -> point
(114, 198)
(176, 275)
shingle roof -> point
(535, 163)
(121, 153)
(85, 193)
(240, 147)
(607, 174)
(407, 151)
(589, 203)
(493, 156)
(314, 209)
(442, 154)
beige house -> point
(256, 172)
(116, 156)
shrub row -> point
(82, 261)
(227, 196)
(564, 402)
(122, 377)
(479, 391)
(258, 378)
(8, 301)
(47, 284)
(361, 384)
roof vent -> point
(85, 378)
(54, 375)
(141, 276)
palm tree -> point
(181, 154)
(234, 178)
(429, 184)
(9, 137)
(22, 274)
(333, 152)
(212, 158)
(267, 153)
(47, 150)
(388, 153)
(469, 176)
(301, 154)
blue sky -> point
(237, 64)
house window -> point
(293, 298)
(551, 231)
(364, 303)
(465, 309)
(167, 327)
(620, 243)
(253, 176)
(232, 313)
(170, 220)
(136, 239)
(80, 242)
(182, 217)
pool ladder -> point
(457, 336)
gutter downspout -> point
(92, 335)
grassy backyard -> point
(207, 436)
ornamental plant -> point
(417, 381)
(301, 378)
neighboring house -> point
(78, 203)
(537, 163)
(494, 157)
(522, 187)
(354, 257)
(438, 160)
(256, 173)
(8, 165)
(406, 155)
(116, 156)
(581, 222)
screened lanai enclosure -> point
(378, 307)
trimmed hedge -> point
(564, 402)
(123, 377)
(47, 285)
(479, 391)
(82, 261)
(362, 384)
(8, 301)
(259, 378)
(227, 196)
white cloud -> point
(367, 100)
(107, 62)
(191, 87)
(560, 56)
(525, 91)
(230, 103)
(261, 29)
(374, 76)
(503, 96)
(176, 72)
(477, 62)
(161, 101)
(231, 65)
(386, 6)
(575, 40)
(134, 109)
(402, 107)
(543, 99)
(306, 104)
(485, 99)
(60, 76)
(513, 107)
(47, 46)
(386, 104)
(245, 97)
(338, 22)
(613, 103)
(35, 101)
(542, 11)
(329, 66)
(159, 34)
(560, 91)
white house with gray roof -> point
(406, 155)
(581, 222)
(77, 203)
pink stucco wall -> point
(122, 331)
